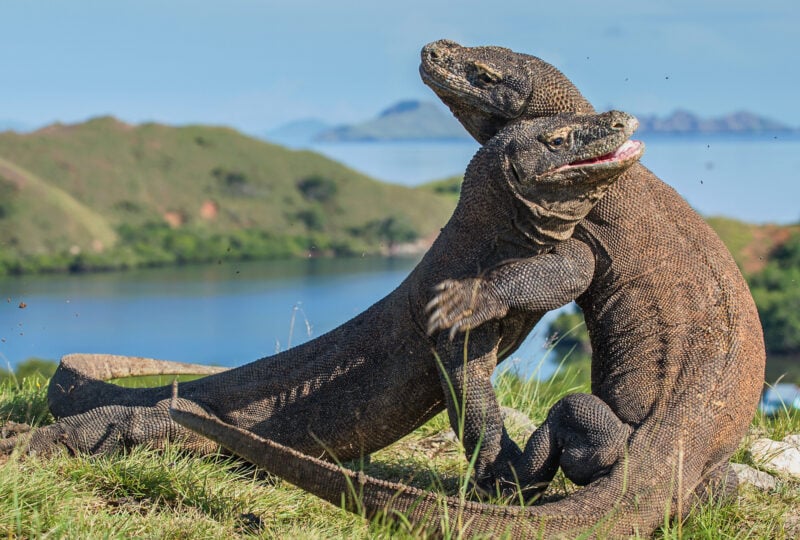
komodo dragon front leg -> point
(467, 363)
(581, 433)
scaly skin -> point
(678, 352)
(374, 379)
(666, 307)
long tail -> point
(608, 508)
(79, 381)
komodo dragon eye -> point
(558, 139)
(485, 74)
(486, 77)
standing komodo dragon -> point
(678, 359)
(371, 381)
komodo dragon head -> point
(487, 87)
(558, 167)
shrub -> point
(570, 337)
(317, 188)
(391, 230)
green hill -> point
(31, 205)
(751, 245)
(104, 194)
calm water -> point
(224, 314)
(232, 313)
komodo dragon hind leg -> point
(110, 428)
(581, 434)
(720, 484)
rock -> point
(518, 421)
(794, 440)
(780, 456)
(748, 475)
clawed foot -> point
(462, 305)
(11, 429)
(10, 436)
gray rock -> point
(779, 456)
(748, 475)
(518, 421)
(794, 439)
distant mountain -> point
(685, 122)
(298, 132)
(419, 120)
(406, 120)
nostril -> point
(618, 125)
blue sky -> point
(257, 64)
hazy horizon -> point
(255, 65)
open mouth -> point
(629, 149)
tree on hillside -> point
(776, 290)
(569, 336)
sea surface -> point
(224, 314)
(231, 313)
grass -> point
(57, 211)
(167, 494)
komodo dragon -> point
(678, 358)
(374, 379)
(671, 320)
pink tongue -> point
(627, 149)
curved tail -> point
(79, 381)
(611, 507)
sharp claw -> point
(436, 321)
(432, 327)
(432, 304)
(456, 328)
